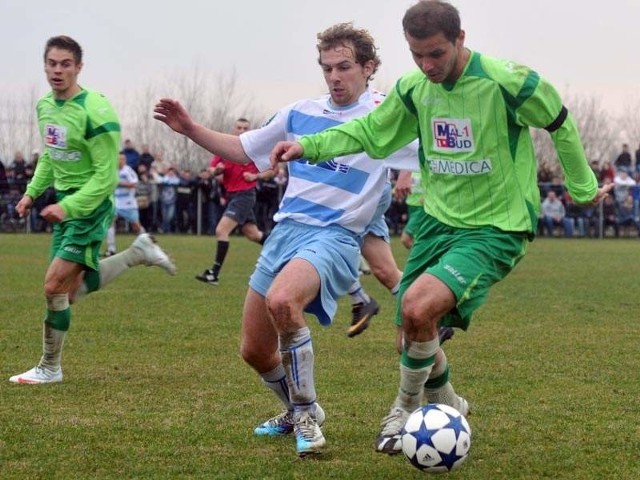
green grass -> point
(155, 388)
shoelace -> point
(392, 424)
(307, 427)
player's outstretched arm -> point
(173, 114)
(285, 152)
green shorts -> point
(468, 261)
(416, 216)
(78, 240)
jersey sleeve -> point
(42, 177)
(103, 144)
(258, 143)
(389, 127)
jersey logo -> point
(452, 135)
(55, 136)
(460, 167)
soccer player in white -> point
(126, 204)
(311, 257)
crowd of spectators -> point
(177, 200)
(618, 215)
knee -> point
(416, 315)
(279, 304)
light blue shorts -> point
(378, 226)
(333, 251)
(131, 215)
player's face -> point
(241, 127)
(438, 58)
(346, 78)
(62, 72)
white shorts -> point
(333, 251)
(131, 215)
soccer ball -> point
(436, 438)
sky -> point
(583, 48)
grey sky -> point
(583, 48)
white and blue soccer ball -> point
(436, 438)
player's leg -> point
(438, 388)
(111, 240)
(296, 286)
(59, 279)
(253, 233)
(144, 250)
(225, 226)
(259, 349)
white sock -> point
(296, 351)
(412, 378)
(276, 380)
(111, 239)
(357, 294)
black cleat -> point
(361, 314)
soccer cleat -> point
(389, 439)
(283, 423)
(208, 277)
(445, 333)
(462, 406)
(152, 254)
(361, 314)
(38, 375)
(309, 438)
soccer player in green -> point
(472, 115)
(81, 133)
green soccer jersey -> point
(81, 137)
(476, 154)
(416, 197)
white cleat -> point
(38, 375)
(389, 439)
(309, 438)
(152, 254)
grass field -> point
(155, 388)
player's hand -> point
(24, 205)
(170, 111)
(285, 152)
(403, 185)
(602, 192)
(53, 213)
(250, 177)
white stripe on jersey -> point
(343, 191)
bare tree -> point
(213, 100)
(18, 123)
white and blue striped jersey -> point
(126, 196)
(343, 191)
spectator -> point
(146, 158)
(622, 184)
(607, 173)
(4, 181)
(609, 217)
(144, 191)
(19, 167)
(133, 157)
(627, 214)
(185, 203)
(168, 197)
(210, 195)
(577, 217)
(623, 161)
(553, 215)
